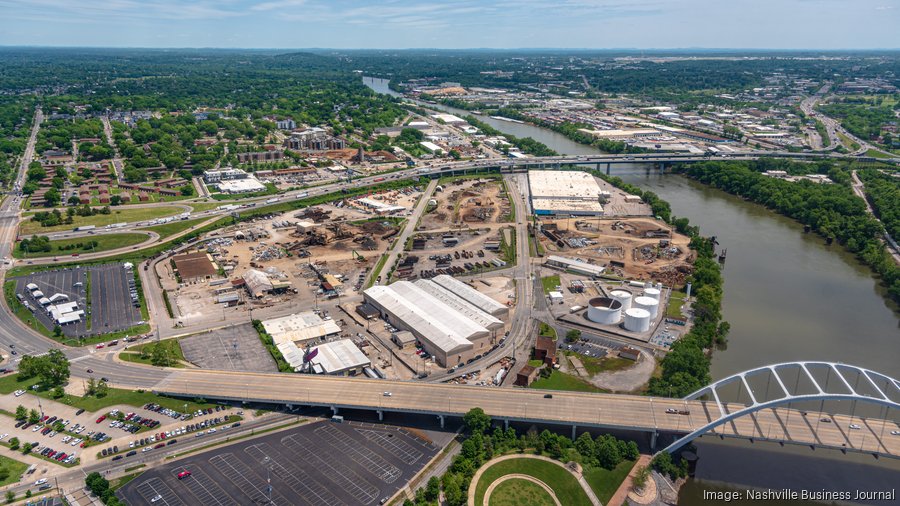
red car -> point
(101, 345)
(183, 474)
(102, 417)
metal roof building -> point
(471, 295)
(443, 332)
(564, 192)
(258, 283)
(339, 357)
(300, 327)
(460, 305)
(576, 266)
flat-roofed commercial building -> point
(340, 358)
(564, 192)
(576, 266)
(460, 305)
(300, 328)
(450, 336)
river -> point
(788, 295)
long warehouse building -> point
(472, 296)
(564, 192)
(460, 305)
(451, 336)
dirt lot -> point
(474, 202)
(645, 248)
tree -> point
(54, 368)
(10, 496)
(21, 412)
(26, 448)
(586, 446)
(452, 490)
(33, 416)
(476, 421)
(14, 444)
(57, 331)
(433, 489)
(102, 389)
(573, 335)
(607, 452)
(639, 480)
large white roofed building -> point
(300, 328)
(450, 336)
(472, 296)
(564, 192)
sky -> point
(397, 24)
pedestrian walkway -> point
(623, 491)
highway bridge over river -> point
(768, 416)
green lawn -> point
(12, 469)
(516, 492)
(562, 381)
(676, 300)
(605, 482)
(167, 229)
(118, 215)
(133, 354)
(874, 153)
(550, 283)
(129, 397)
(10, 383)
(547, 331)
(105, 242)
(564, 485)
(204, 206)
(535, 363)
(594, 365)
(848, 142)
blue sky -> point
(775, 24)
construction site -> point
(632, 248)
(467, 202)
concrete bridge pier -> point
(653, 437)
(608, 166)
(574, 427)
(441, 418)
(334, 410)
(380, 415)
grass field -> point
(676, 300)
(133, 354)
(564, 485)
(105, 242)
(874, 153)
(204, 206)
(516, 492)
(550, 283)
(12, 469)
(168, 229)
(594, 365)
(605, 482)
(118, 215)
(848, 142)
(547, 331)
(562, 381)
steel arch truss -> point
(882, 390)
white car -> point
(893, 433)
(37, 428)
(131, 444)
(20, 393)
(3, 436)
(40, 482)
(855, 426)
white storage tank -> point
(648, 303)
(637, 320)
(604, 310)
(622, 296)
(653, 293)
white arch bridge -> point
(759, 404)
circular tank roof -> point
(646, 301)
(637, 312)
(605, 303)
(620, 293)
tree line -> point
(831, 210)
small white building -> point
(340, 358)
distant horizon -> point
(470, 49)
(461, 24)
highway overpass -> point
(576, 410)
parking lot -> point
(112, 305)
(235, 348)
(320, 463)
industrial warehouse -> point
(565, 192)
(453, 321)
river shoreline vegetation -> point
(526, 144)
(685, 368)
(831, 210)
